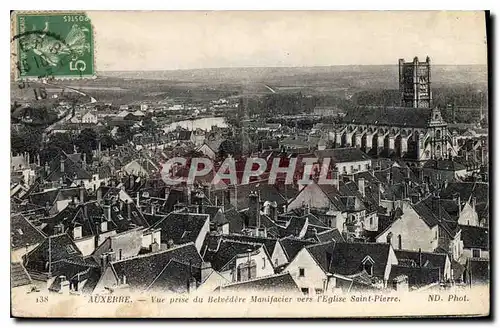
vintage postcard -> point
(249, 164)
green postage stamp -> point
(53, 45)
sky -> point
(162, 40)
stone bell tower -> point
(415, 83)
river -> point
(204, 123)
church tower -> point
(415, 83)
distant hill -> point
(363, 77)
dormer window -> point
(368, 263)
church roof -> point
(391, 116)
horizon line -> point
(256, 67)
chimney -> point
(107, 212)
(131, 181)
(38, 159)
(170, 243)
(47, 208)
(104, 261)
(273, 211)
(58, 228)
(306, 209)
(137, 200)
(64, 285)
(361, 186)
(254, 210)
(99, 194)
(205, 271)
(62, 165)
(129, 210)
(47, 168)
(124, 280)
(104, 226)
(473, 203)
(111, 256)
(335, 176)
(97, 228)
(155, 247)
(77, 232)
(82, 194)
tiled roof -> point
(475, 237)
(141, 271)
(175, 277)
(23, 233)
(181, 227)
(292, 246)
(235, 219)
(269, 243)
(342, 155)
(431, 260)
(18, 275)
(444, 165)
(274, 283)
(417, 276)
(227, 252)
(389, 116)
(346, 258)
(61, 247)
(329, 235)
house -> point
(436, 171)
(272, 246)
(277, 283)
(154, 271)
(24, 237)
(292, 246)
(130, 243)
(180, 228)
(238, 260)
(53, 249)
(475, 242)
(423, 226)
(210, 148)
(316, 268)
(477, 272)
(346, 160)
(19, 278)
(419, 259)
(474, 202)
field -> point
(207, 84)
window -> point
(436, 234)
(318, 291)
(302, 272)
(389, 238)
(371, 221)
(263, 263)
(400, 242)
(368, 265)
(305, 291)
(476, 252)
(359, 167)
(247, 271)
(70, 249)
